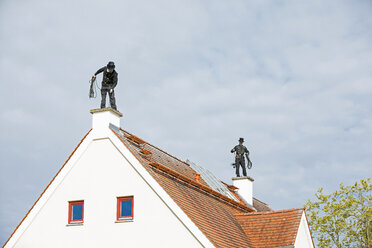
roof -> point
(212, 180)
(222, 216)
(209, 210)
(271, 229)
(215, 208)
(260, 206)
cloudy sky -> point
(294, 78)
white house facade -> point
(116, 190)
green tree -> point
(342, 218)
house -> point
(117, 190)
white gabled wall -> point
(303, 238)
(100, 175)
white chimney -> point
(103, 117)
(245, 188)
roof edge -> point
(42, 193)
(304, 216)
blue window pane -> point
(126, 208)
(77, 212)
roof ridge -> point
(271, 212)
(157, 148)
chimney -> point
(245, 188)
(102, 118)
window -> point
(125, 208)
(75, 212)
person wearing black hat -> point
(109, 82)
(240, 150)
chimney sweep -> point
(240, 150)
(109, 82)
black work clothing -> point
(240, 150)
(109, 82)
(112, 98)
(240, 162)
(109, 79)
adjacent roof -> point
(271, 229)
(215, 208)
(260, 206)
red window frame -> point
(70, 204)
(118, 208)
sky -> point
(294, 78)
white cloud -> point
(293, 78)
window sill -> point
(75, 224)
(123, 221)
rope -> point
(93, 88)
(249, 164)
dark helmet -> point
(241, 139)
(111, 65)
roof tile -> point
(225, 222)
(271, 229)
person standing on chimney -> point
(109, 82)
(240, 150)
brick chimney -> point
(245, 188)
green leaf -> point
(344, 217)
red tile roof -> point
(224, 221)
(271, 229)
(212, 213)
(260, 206)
